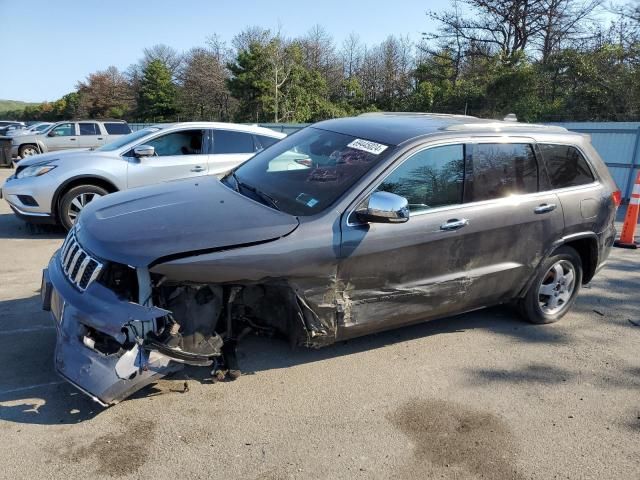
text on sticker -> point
(367, 146)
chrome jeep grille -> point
(78, 266)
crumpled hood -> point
(62, 155)
(140, 226)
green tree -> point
(157, 93)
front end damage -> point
(128, 328)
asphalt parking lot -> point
(482, 395)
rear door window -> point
(497, 170)
(265, 141)
(430, 178)
(117, 128)
(228, 141)
(566, 166)
(87, 128)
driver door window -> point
(177, 155)
(188, 142)
(64, 130)
(430, 178)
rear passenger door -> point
(90, 135)
(518, 218)
(230, 148)
(61, 137)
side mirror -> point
(384, 207)
(52, 133)
(144, 151)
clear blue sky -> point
(48, 45)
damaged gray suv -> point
(347, 227)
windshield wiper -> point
(266, 198)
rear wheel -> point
(554, 290)
(28, 150)
(74, 201)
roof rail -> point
(498, 126)
(414, 114)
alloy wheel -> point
(557, 287)
(78, 204)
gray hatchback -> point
(369, 223)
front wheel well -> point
(64, 188)
(587, 248)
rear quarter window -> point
(117, 128)
(566, 166)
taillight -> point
(617, 197)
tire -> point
(27, 150)
(74, 200)
(555, 288)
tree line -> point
(543, 60)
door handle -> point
(72, 139)
(454, 224)
(545, 207)
(197, 168)
(100, 138)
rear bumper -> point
(605, 244)
(75, 314)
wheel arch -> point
(39, 145)
(585, 244)
(72, 182)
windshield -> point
(122, 141)
(306, 172)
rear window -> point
(566, 166)
(89, 128)
(117, 128)
(227, 141)
(498, 170)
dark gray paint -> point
(353, 278)
(176, 218)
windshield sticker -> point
(367, 146)
(307, 200)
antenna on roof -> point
(511, 118)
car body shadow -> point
(11, 227)
(52, 401)
(259, 354)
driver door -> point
(62, 137)
(178, 154)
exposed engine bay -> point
(203, 323)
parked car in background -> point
(8, 125)
(35, 128)
(67, 135)
(396, 219)
(55, 187)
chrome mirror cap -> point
(144, 151)
(384, 207)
